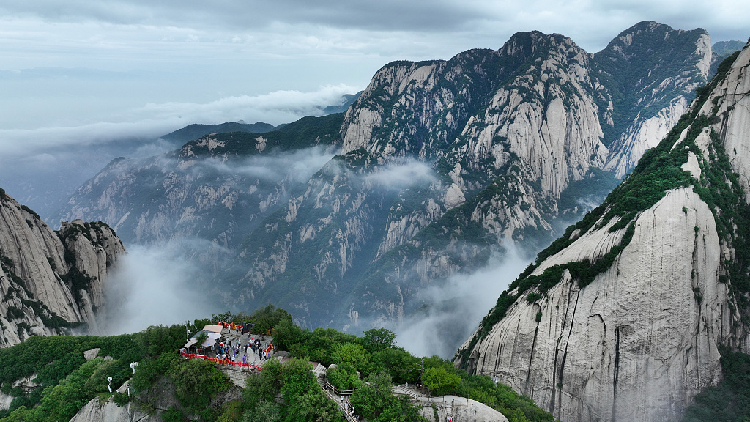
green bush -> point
(121, 399)
(343, 376)
(196, 382)
(440, 381)
(301, 397)
(173, 414)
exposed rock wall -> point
(459, 409)
(505, 139)
(637, 343)
(643, 338)
(50, 280)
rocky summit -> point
(436, 167)
(51, 281)
(626, 316)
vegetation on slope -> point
(304, 133)
(630, 80)
(658, 171)
(284, 391)
(730, 400)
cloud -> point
(154, 285)
(296, 22)
(434, 15)
(298, 165)
(453, 310)
(275, 108)
(401, 175)
(156, 119)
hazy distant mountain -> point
(46, 179)
(725, 48)
(439, 165)
(195, 131)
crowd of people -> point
(234, 347)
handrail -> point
(224, 362)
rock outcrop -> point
(625, 316)
(51, 281)
(441, 408)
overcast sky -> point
(78, 71)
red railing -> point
(227, 362)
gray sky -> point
(82, 71)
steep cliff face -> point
(623, 317)
(650, 93)
(50, 280)
(514, 135)
(440, 165)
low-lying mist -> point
(453, 310)
(155, 285)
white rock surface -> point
(641, 340)
(460, 409)
(635, 344)
(35, 259)
(97, 410)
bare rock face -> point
(107, 411)
(498, 146)
(636, 343)
(50, 280)
(458, 409)
(624, 317)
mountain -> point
(726, 48)
(629, 313)
(51, 281)
(195, 131)
(438, 166)
(45, 179)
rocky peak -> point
(649, 95)
(497, 146)
(624, 316)
(51, 281)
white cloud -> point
(153, 286)
(153, 120)
(298, 165)
(399, 176)
(455, 308)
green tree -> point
(266, 411)
(150, 369)
(400, 410)
(287, 334)
(297, 378)
(373, 397)
(402, 366)
(354, 354)
(197, 382)
(343, 376)
(314, 406)
(378, 339)
(440, 381)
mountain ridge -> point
(454, 161)
(624, 316)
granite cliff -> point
(625, 316)
(51, 281)
(439, 165)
